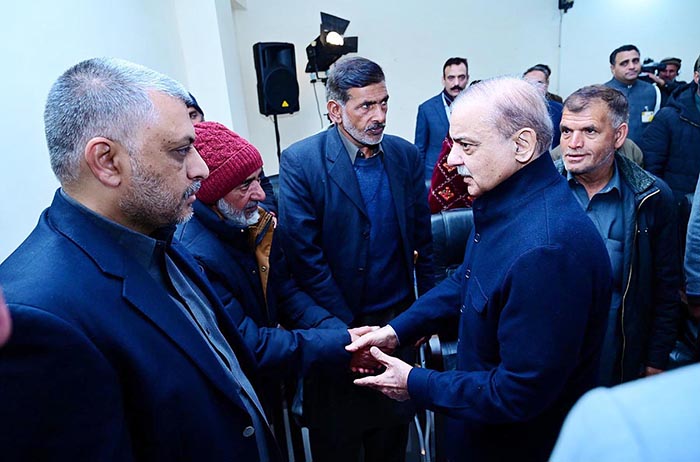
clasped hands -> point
(371, 347)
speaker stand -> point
(277, 136)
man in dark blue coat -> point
(530, 298)
(232, 238)
(671, 143)
(432, 122)
(120, 348)
(355, 226)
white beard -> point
(238, 217)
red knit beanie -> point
(230, 158)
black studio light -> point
(329, 46)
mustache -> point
(375, 126)
(463, 170)
(457, 87)
(192, 189)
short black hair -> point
(455, 62)
(351, 72)
(617, 50)
(195, 105)
(539, 67)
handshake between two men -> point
(371, 350)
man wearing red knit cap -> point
(232, 239)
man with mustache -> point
(433, 115)
(353, 213)
(530, 298)
(635, 213)
(644, 98)
(121, 350)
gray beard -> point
(236, 216)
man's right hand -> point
(384, 338)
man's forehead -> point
(373, 89)
(455, 69)
(626, 55)
(595, 112)
(468, 115)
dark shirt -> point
(385, 262)
(607, 210)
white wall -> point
(42, 38)
(207, 44)
(411, 39)
(659, 28)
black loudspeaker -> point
(276, 69)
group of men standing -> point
(140, 335)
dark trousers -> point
(386, 444)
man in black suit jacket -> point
(120, 348)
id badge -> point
(647, 116)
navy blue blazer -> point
(102, 365)
(432, 126)
(531, 300)
(325, 227)
(231, 267)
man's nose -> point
(379, 114)
(453, 158)
(576, 140)
(257, 192)
(196, 167)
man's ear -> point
(525, 145)
(621, 135)
(105, 160)
(335, 111)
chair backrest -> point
(451, 229)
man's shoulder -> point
(433, 100)
(194, 232)
(315, 140)
(641, 180)
(51, 272)
(393, 143)
(612, 83)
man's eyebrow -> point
(466, 139)
(181, 142)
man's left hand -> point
(393, 382)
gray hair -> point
(516, 104)
(616, 102)
(105, 97)
(351, 72)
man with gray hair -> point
(353, 212)
(121, 349)
(530, 297)
(636, 216)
